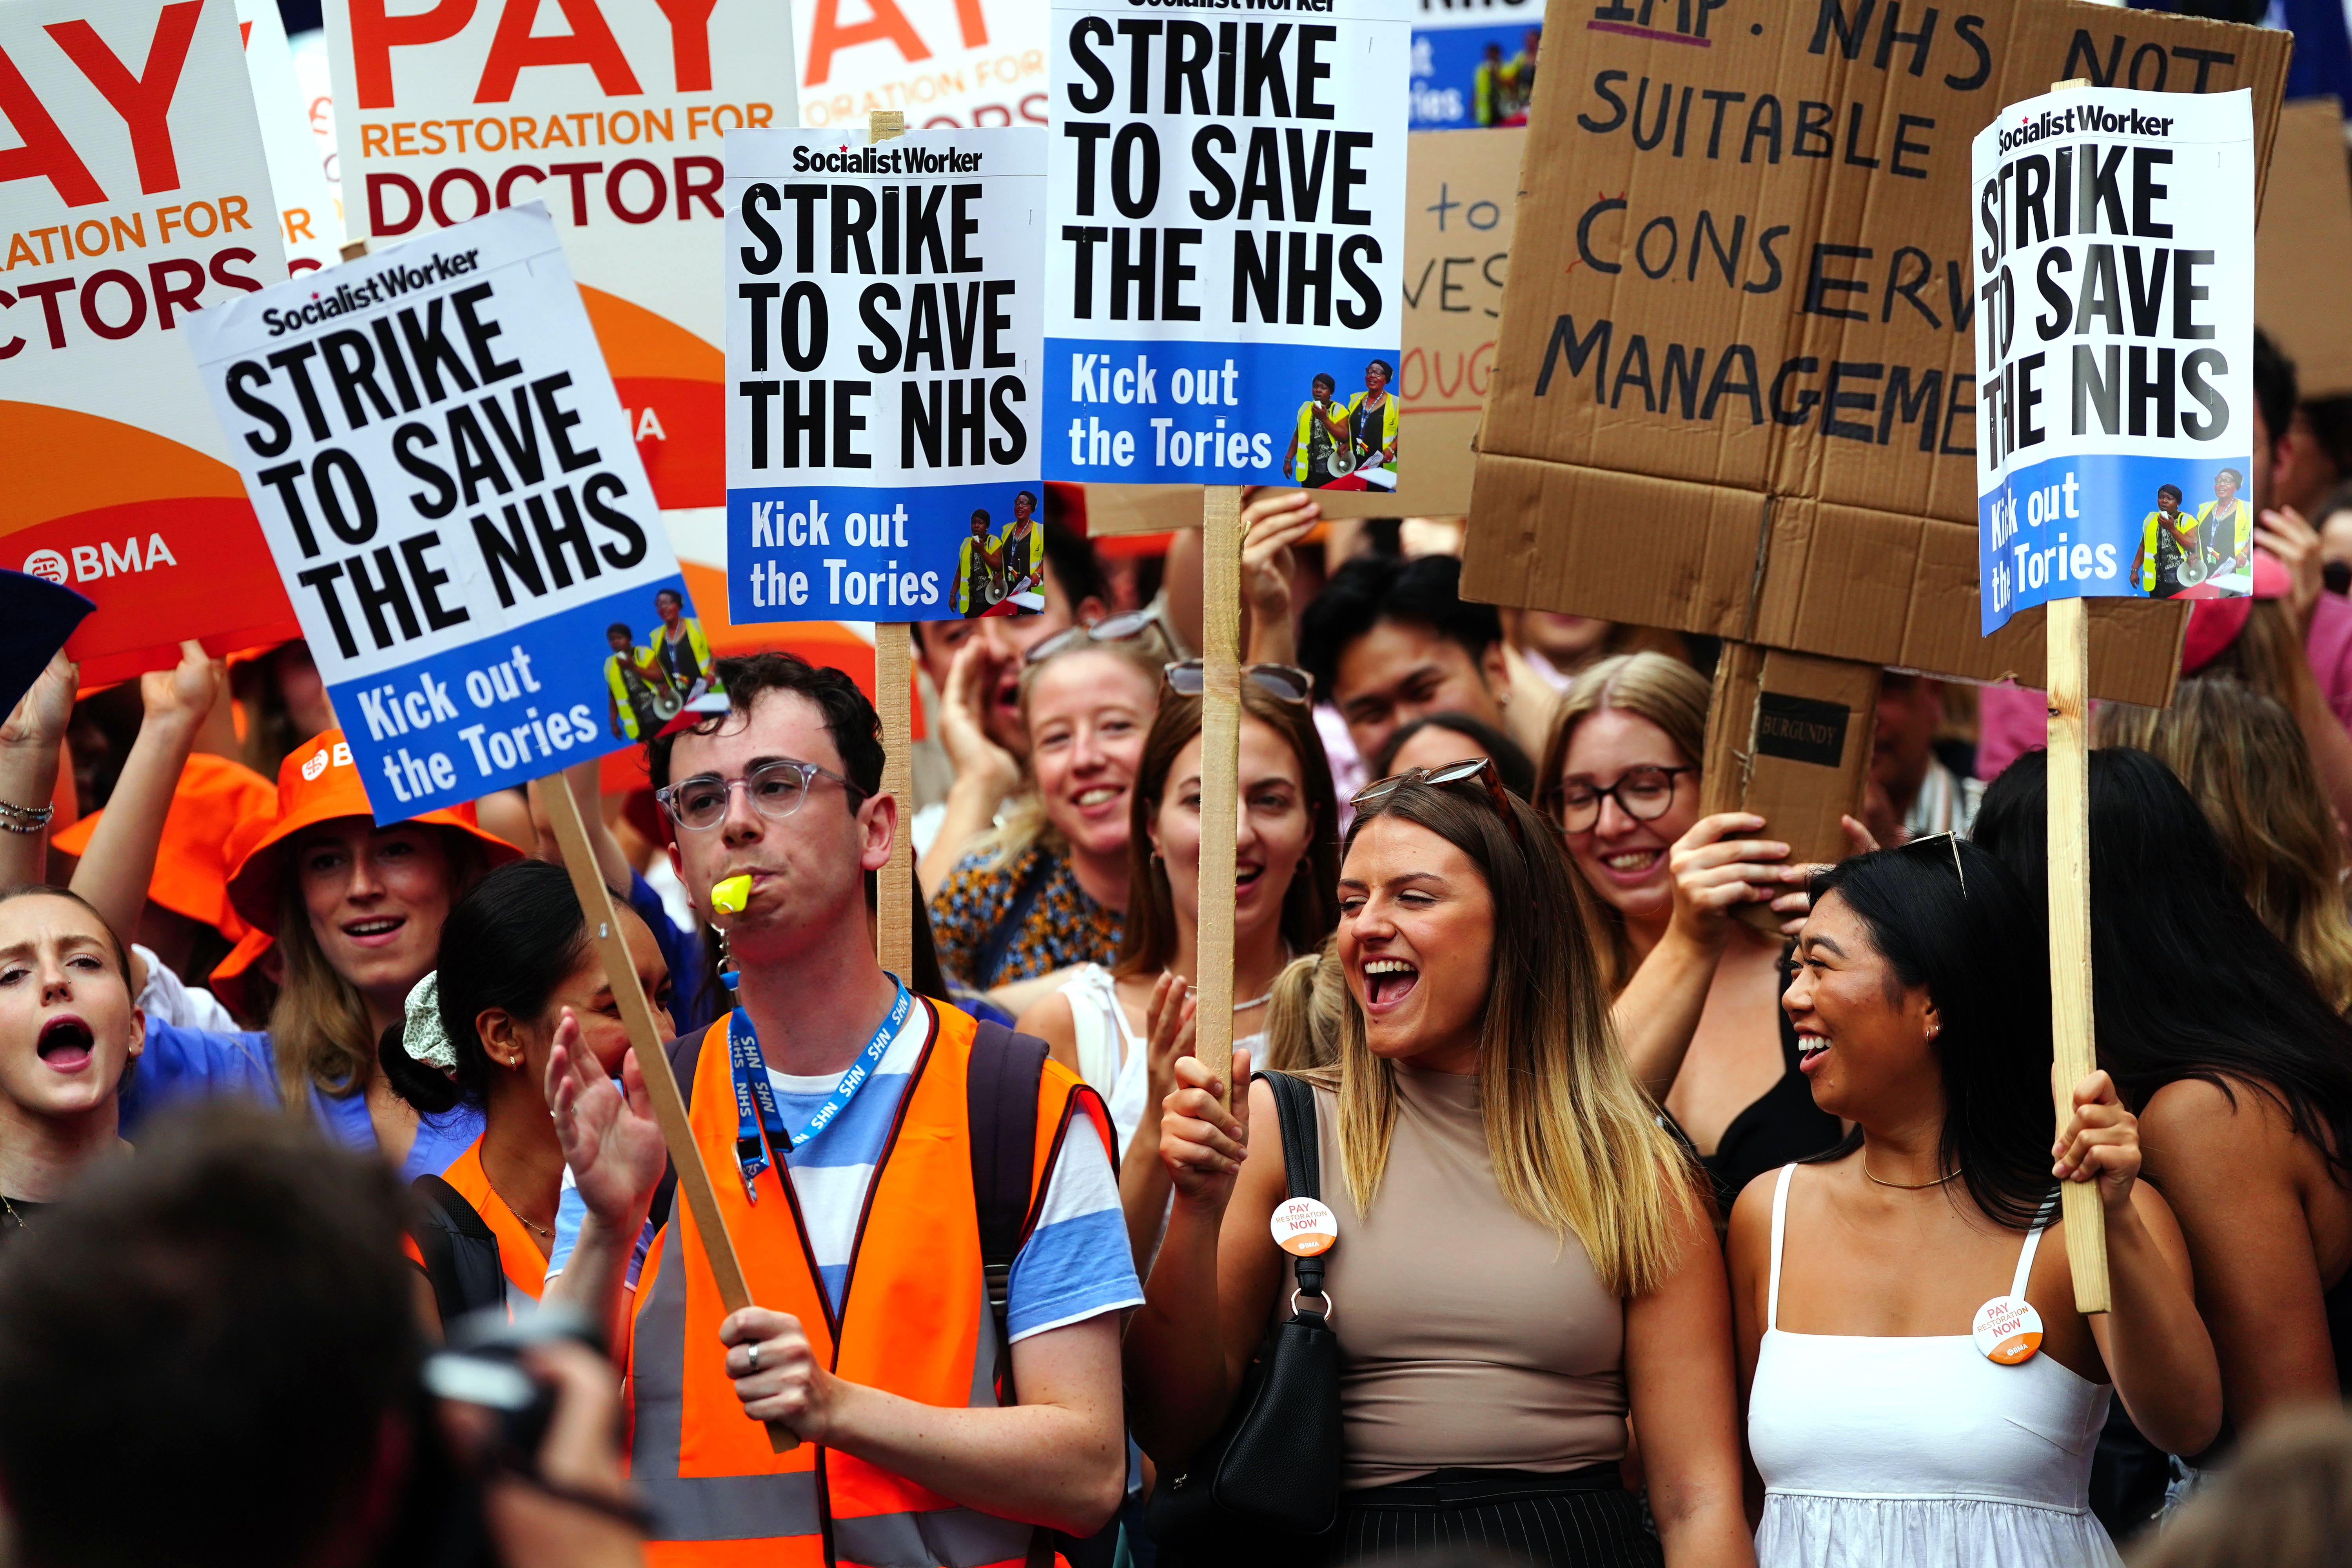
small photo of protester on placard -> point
(639, 698)
(684, 651)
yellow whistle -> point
(728, 898)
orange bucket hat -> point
(317, 783)
(215, 800)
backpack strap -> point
(1001, 1108)
(1001, 1111)
(460, 1251)
(685, 1054)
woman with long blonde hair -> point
(1697, 987)
(1046, 888)
(356, 911)
(1524, 1256)
(2243, 759)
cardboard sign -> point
(1789, 737)
(1461, 192)
(309, 223)
(133, 193)
(1224, 260)
(448, 487)
(942, 63)
(611, 115)
(2303, 252)
(2117, 345)
(1473, 62)
(883, 323)
(1743, 399)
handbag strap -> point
(1302, 1157)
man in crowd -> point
(1389, 641)
(975, 668)
(872, 1339)
(229, 1318)
(1915, 790)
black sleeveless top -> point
(1784, 1125)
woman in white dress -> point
(1123, 1028)
(1886, 1431)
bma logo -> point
(318, 762)
(95, 561)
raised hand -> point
(610, 1137)
(1202, 1141)
(2100, 1141)
(39, 718)
(185, 694)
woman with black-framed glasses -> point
(1697, 988)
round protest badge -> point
(1303, 1228)
(2007, 1330)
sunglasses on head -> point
(1950, 841)
(1469, 770)
(1123, 627)
(1286, 682)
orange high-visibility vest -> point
(914, 1323)
(523, 1264)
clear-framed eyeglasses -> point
(776, 788)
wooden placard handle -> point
(645, 1039)
(894, 895)
(2066, 634)
(1221, 740)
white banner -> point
(133, 195)
(942, 63)
(610, 112)
(309, 223)
(1226, 240)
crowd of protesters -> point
(1674, 1180)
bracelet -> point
(14, 818)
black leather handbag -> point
(1270, 1477)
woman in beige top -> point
(1542, 1264)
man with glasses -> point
(833, 1107)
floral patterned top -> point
(1064, 925)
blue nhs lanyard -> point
(755, 1098)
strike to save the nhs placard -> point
(882, 357)
(447, 485)
(1225, 247)
(2114, 260)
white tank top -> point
(1111, 1056)
(1895, 1449)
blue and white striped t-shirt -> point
(1074, 1266)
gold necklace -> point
(539, 1230)
(1902, 1186)
(12, 1213)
